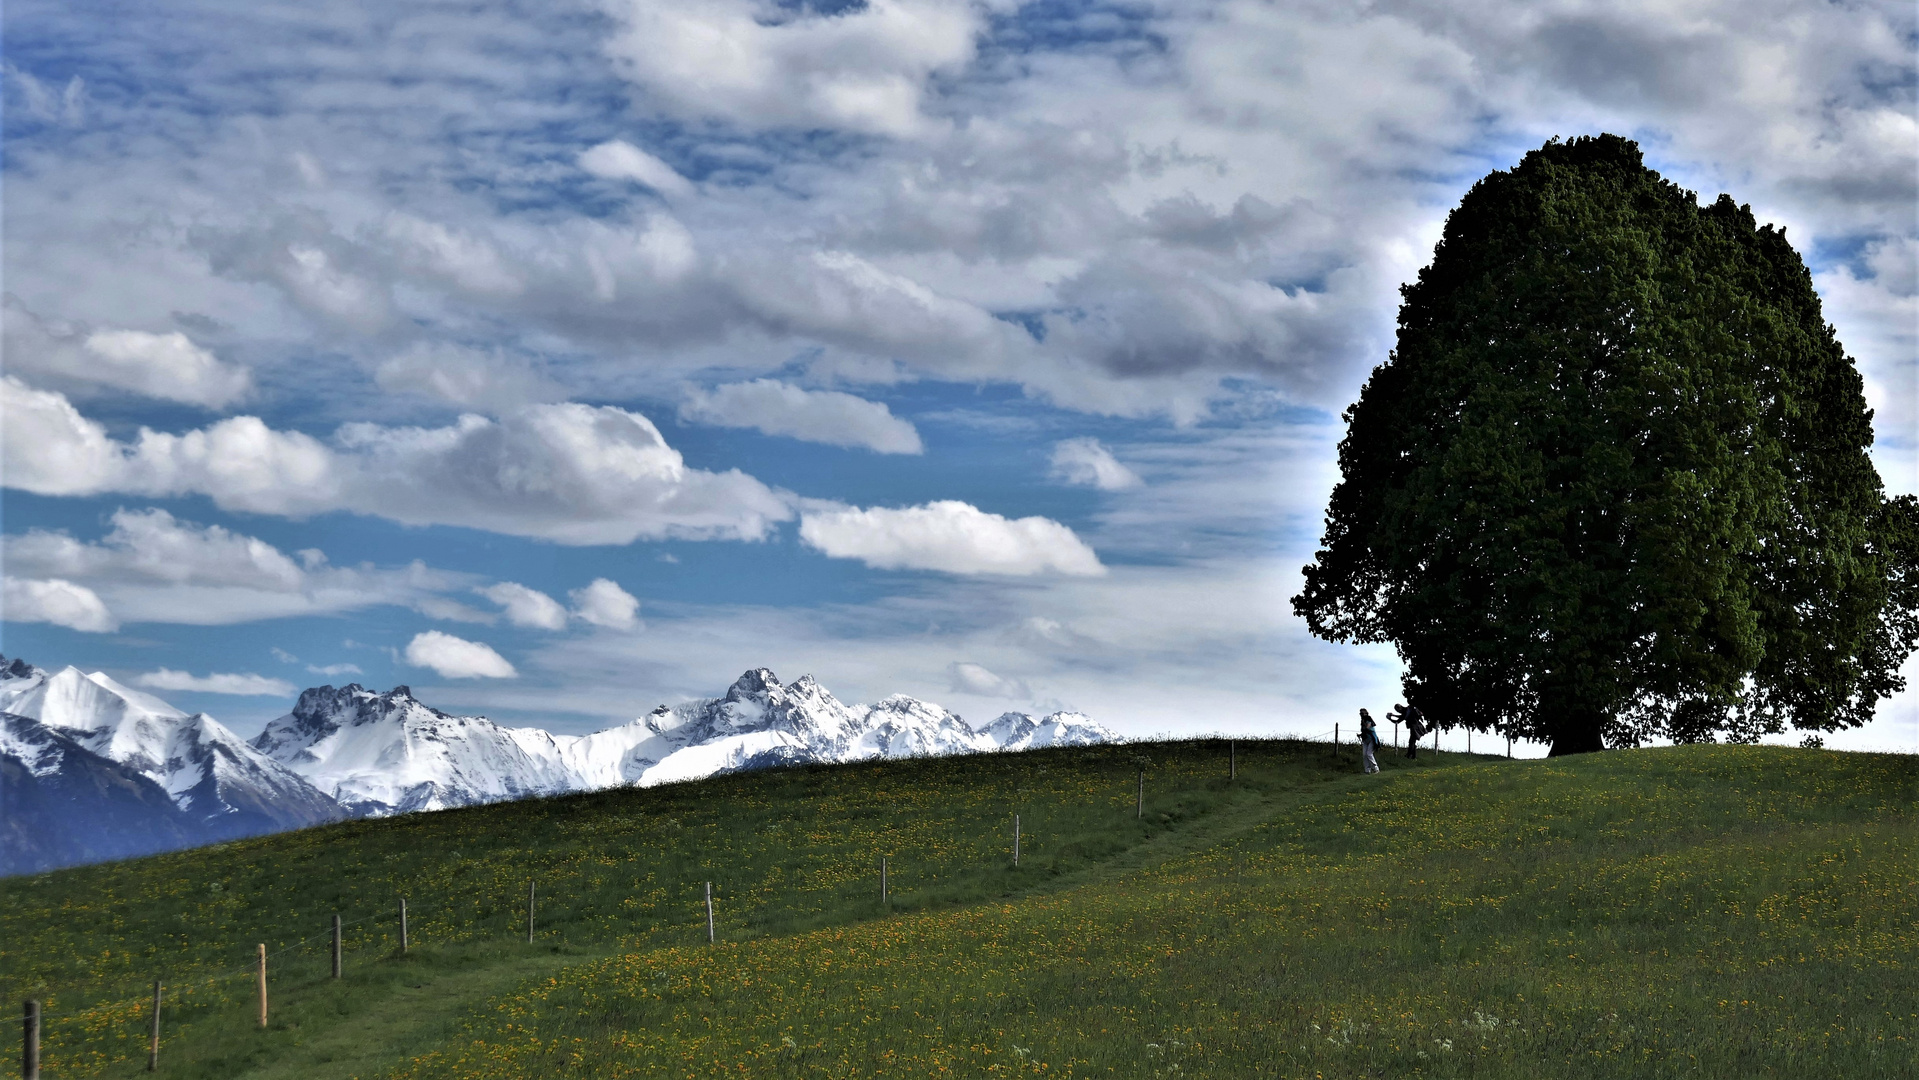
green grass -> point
(1710, 911)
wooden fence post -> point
(403, 941)
(153, 1032)
(263, 984)
(885, 899)
(1232, 759)
(529, 913)
(709, 913)
(1335, 740)
(30, 1042)
(1139, 802)
(336, 946)
(1015, 839)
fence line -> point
(186, 986)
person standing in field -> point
(1368, 742)
(1415, 727)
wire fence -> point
(95, 1011)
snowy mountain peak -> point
(207, 770)
(379, 753)
(756, 682)
(388, 753)
(1019, 731)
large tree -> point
(1613, 483)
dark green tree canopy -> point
(1612, 483)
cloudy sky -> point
(560, 359)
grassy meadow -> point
(1698, 911)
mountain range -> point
(91, 769)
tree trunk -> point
(1572, 725)
(1576, 742)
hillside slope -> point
(1718, 911)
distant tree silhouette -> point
(1613, 483)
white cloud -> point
(153, 567)
(821, 416)
(976, 680)
(950, 536)
(604, 603)
(487, 379)
(526, 607)
(67, 107)
(168, 366)
(621, 160)
(51, 449)
(153, 545)
(576, 474)
(332, 671)
(457, 658)
(236, 684)
(573, 473)
(56, 601)
(1087, 463)
(762, 65)
(48, 448)
(456, 257)
(446, 609)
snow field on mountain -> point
(384, 753)
(353, 752)
(209, 771)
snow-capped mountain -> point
(1018, 731)
(91, 769)
(61, 804)
(388, 753)
(213, 775)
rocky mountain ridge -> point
(93, 769)
(386, 753)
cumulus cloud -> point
(604, 603)
(488, 379)
(621, 160)
(457, 257)
(526, 607)
(1153, 233)
(167, 366)
(949, 536)
(577, 474)
(821, 416)
(1089, 464)
(153, 567)
(56, 601)
(977, 680)
(334, 281)
(333, 671)
(240, 685)
(457, 658)
(765, 65)
(153, 545)
(48, 448)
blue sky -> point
(563, 359)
